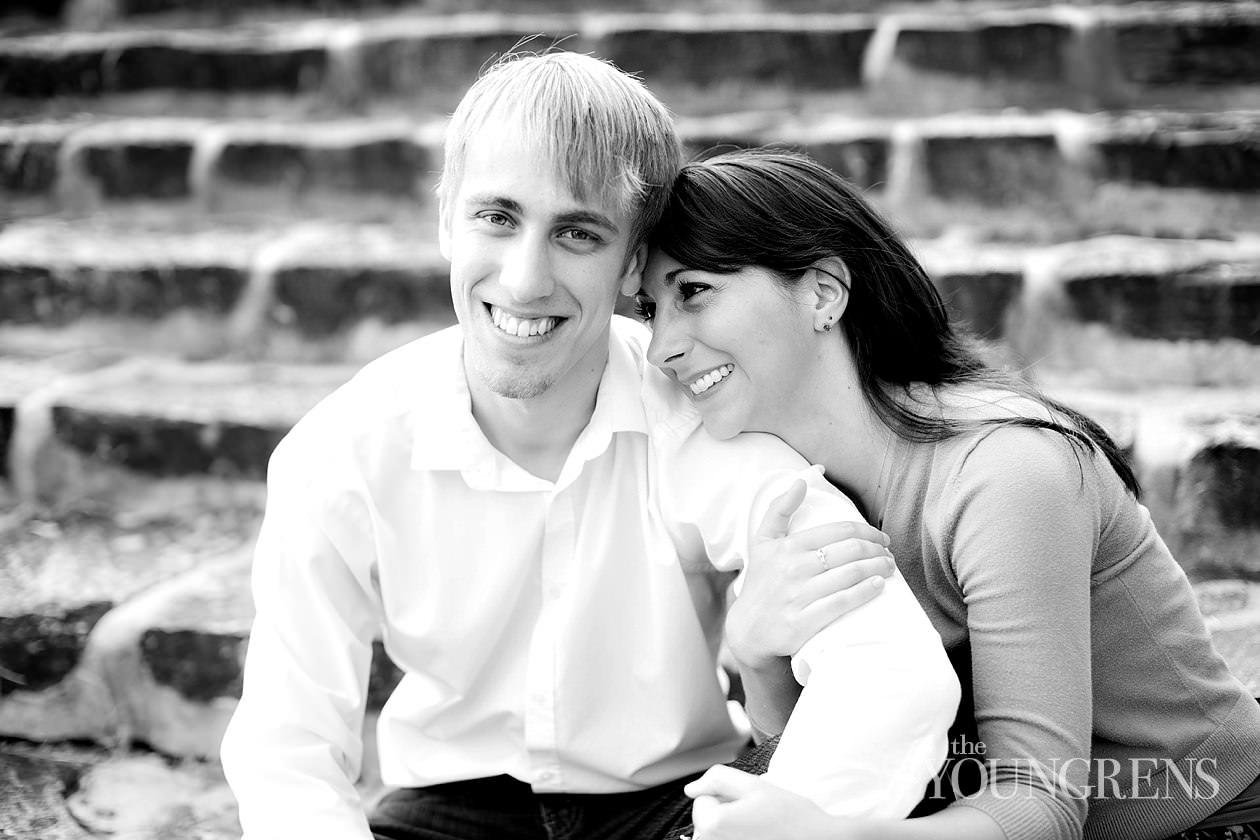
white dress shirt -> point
(563, 633)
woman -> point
(782, 303)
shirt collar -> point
(445, 436)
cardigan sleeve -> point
(1020, 530)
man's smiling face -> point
(535, 271)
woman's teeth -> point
(710, 379)
(521, 327)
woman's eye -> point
(689, 290)
(644, 308)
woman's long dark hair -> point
(785, 212)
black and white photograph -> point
(630, 419)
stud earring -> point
(827, 325)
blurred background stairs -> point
(213, 211)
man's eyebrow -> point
(588, 217)
(492, 200)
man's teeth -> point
(710, 379)
(521, 327)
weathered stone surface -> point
(390, 166)
(168, 446)
(171, 419)
(199, 665)
(1221, 484)
(228, 67)
(1026, 51)
(994, 169)
(176, 655)
(39, 650)
(34, 294)
(45, 73)
(173, 655)
(816, 55)
(1232, 611)
(1218, 160)
(7, 415)
(21, 376)
(63, 578)
(148, 798)
(427, 59)
(1196, 452)
(1214, 47)
(1212, 301)
(28, 167)
(979, 302)
(323, 300)
(33, 804)
(156, 170)
(29, 293)
(863, 161)
(46, 9)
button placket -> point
(540, 717)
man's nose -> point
(526, 271)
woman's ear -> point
(829, 280)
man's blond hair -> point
(608, 137)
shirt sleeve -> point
(871, 726)
(1021, 534)
(293, 748)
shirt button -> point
(546, 776)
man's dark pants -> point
(503, 808)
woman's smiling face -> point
(740, 344)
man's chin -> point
(514, 385)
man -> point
(531, 519)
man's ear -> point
(829, 281)
(632, 278)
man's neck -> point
(537, 433)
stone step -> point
(79, 439)
(1011, 175)
(1130, 309)
(124, 619)
(306, 292)
(89, 13)
(921, 60)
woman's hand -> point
(733, 805)
(791, 591)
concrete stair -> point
(212, 213)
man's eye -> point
(644, 308)
(579, 235)
(495, 218)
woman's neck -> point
(838, 428)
